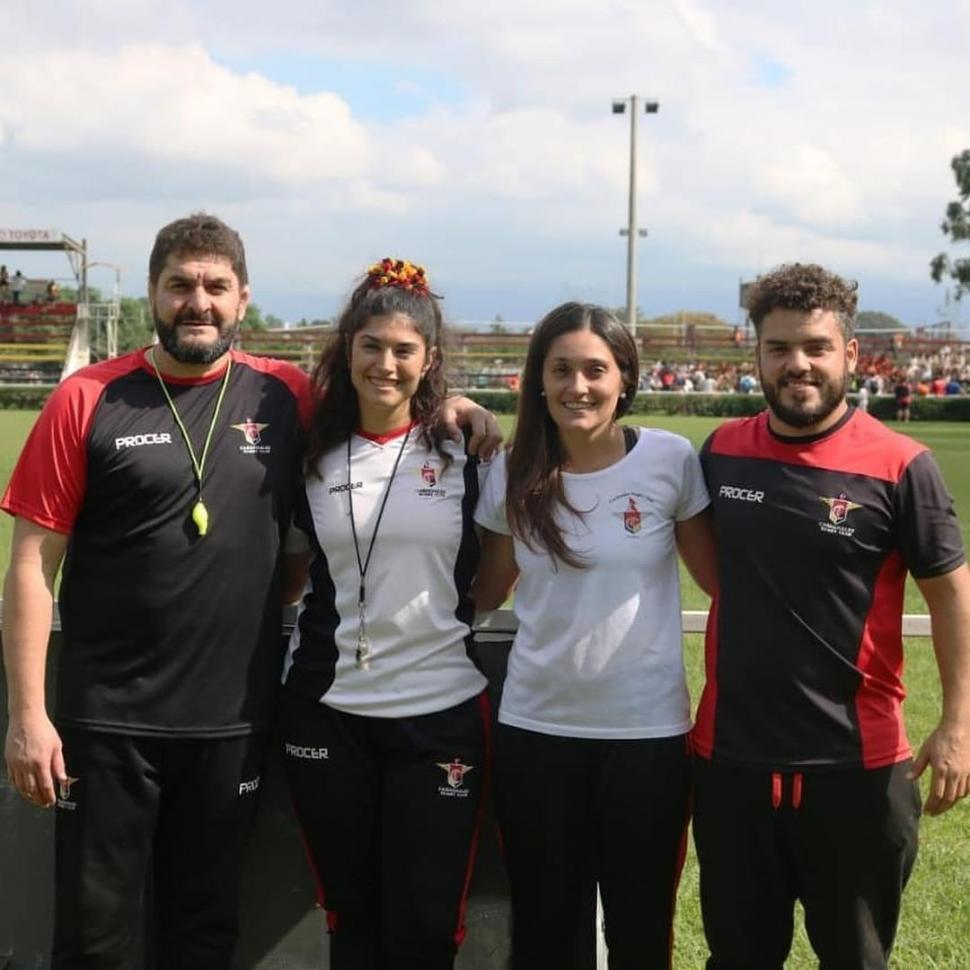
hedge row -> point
(31, 397)
(741, 405)
(719, 405)
(23, 397)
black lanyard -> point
(363, 644)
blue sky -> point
(375, 90)
(481, 143)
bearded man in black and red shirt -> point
(805, 784)
(145, 477)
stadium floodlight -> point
(632, 232)
(118, 271)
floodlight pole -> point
(631, 226)
(632, 232)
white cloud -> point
(175, 104)
(116, 116)
(701, 24)
(808, 182)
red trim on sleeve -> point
(48, 483)
(861, 446)
(702, 736)
(880, 696)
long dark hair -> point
(535, 456)
(336, 414)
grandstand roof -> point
(51, 240)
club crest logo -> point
(632, 519)
(839, 508)
(455, 773)
(430, 481)
(632, 510)
(251, 430)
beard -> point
(831, 394)
(192, 352)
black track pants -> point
(574, 812)
(184, 804)
(842, 842)
(390, 810)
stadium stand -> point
(672, 358)
(34, 339)
(299, 345)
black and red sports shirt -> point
(166, 632)
(804, 656)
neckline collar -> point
(809, 439)
(383, 439)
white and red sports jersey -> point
(418, 614)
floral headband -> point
(398, 272)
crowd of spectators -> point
(941, 373)
(945, 372)
(708, 377)
(17, 290)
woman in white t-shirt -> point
(592, 761)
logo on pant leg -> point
(455, 772)
(248, 787)
(64, 793)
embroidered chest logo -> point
(430, 475)
(839, 509)
(455, 772)
(64, 794)
(252, 432)
(632, 509)
(631, 518)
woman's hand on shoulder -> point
(462, 412)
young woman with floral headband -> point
(384, 717)
(592, 766)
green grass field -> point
(935, 926)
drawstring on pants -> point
(778, 789)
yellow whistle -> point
(200, 516)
